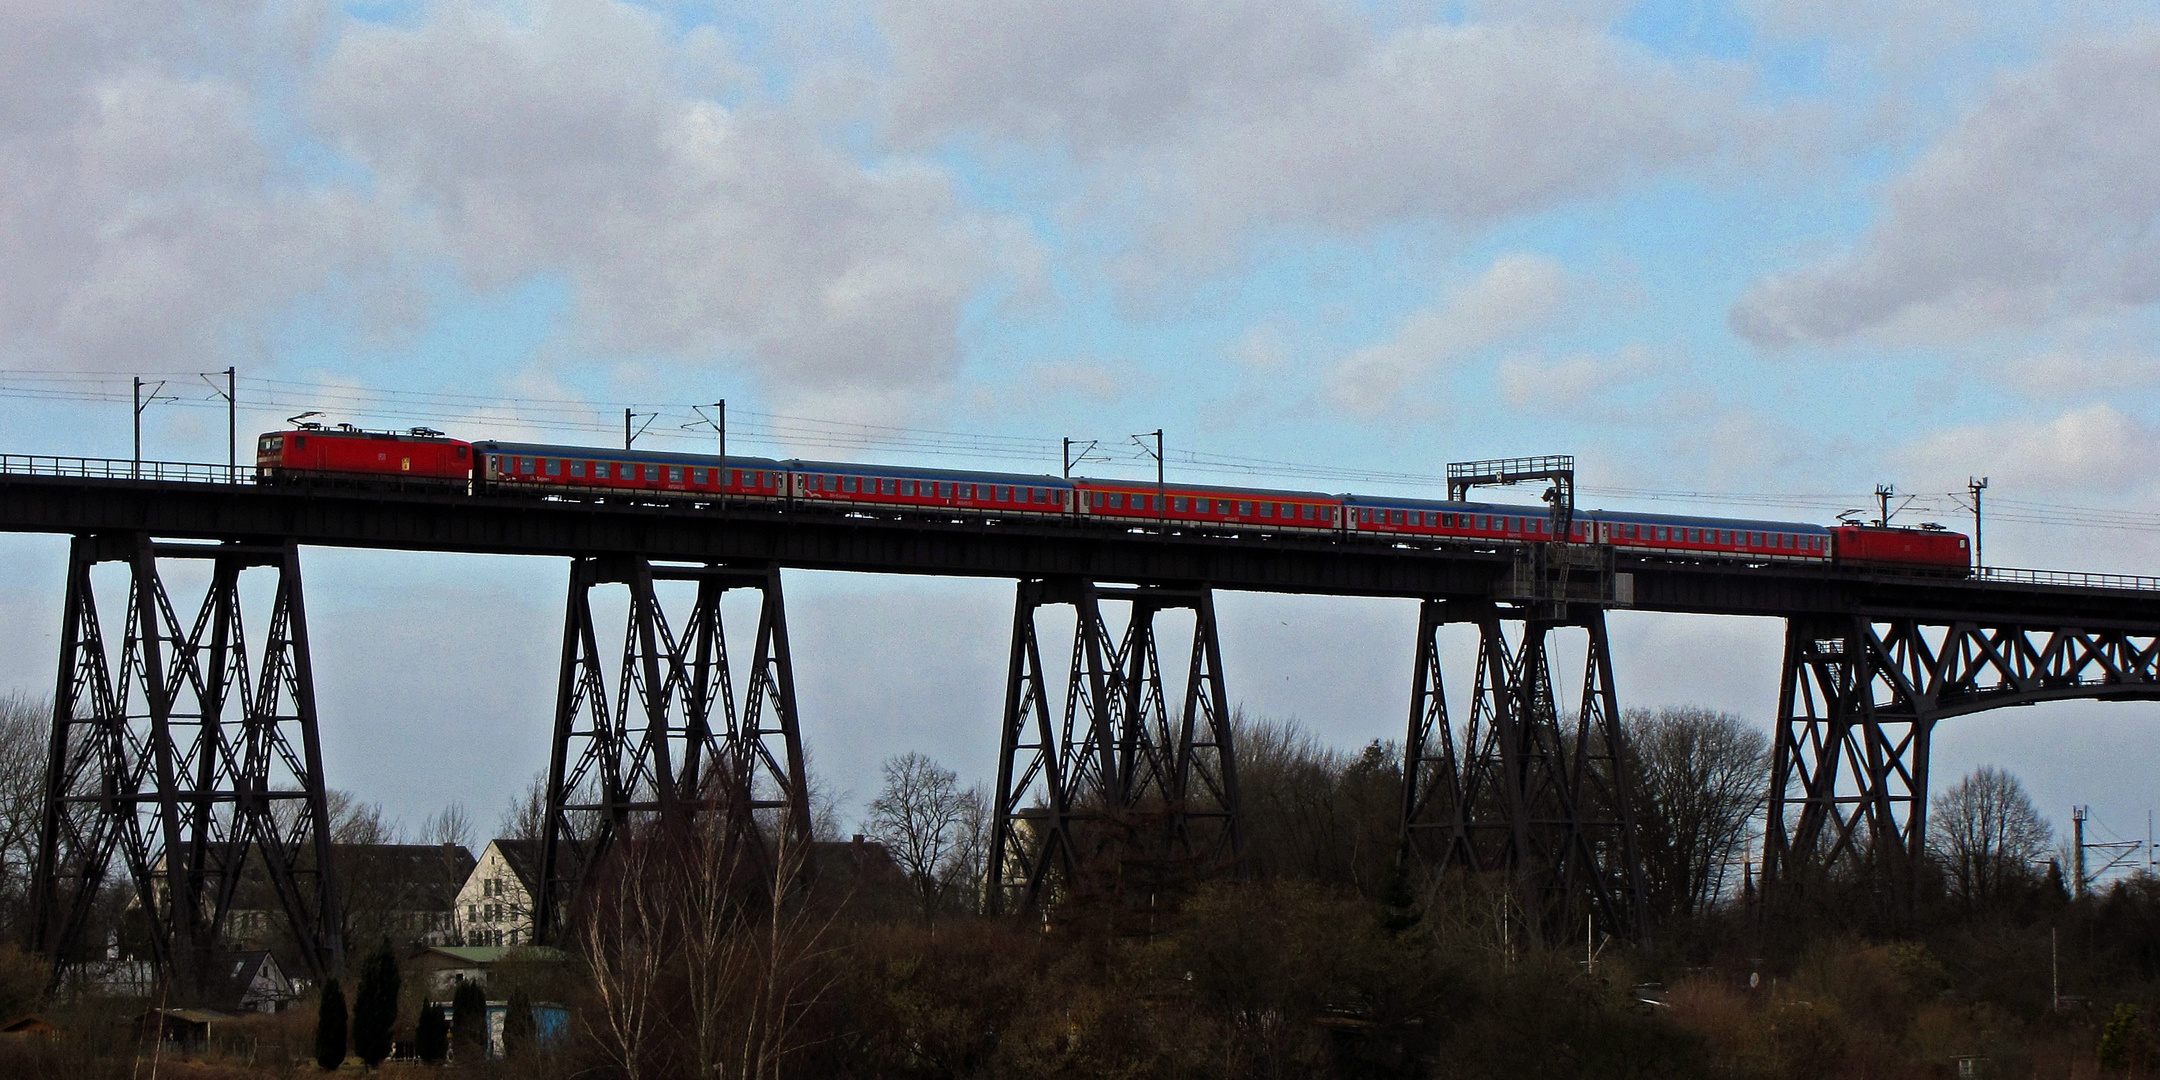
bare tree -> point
(625, 934)
(1702, 779)
(526, 816)
(355, 822)
(450, 825)
(750, 954)
(24, 722)
(925, 818)
(1986, 834)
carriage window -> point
(1244, 508)
(1267, 510)
(1004, 494)
(1178, 504)
(552, 466)
(1305, 513)
(674, 474)
(577, 468)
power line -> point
(785, 432)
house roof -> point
(425, 877)
(428, 875)
(484, 955)
(192, 1016)
(524, 859)
(244, 966)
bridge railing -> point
(2015, 576)
(192, 472)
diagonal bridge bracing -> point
(201, 771)
(1114, 792)
(1522, 788)
(1857, 710)
(668, 738)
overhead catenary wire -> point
(783, 432)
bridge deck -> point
(196, 502)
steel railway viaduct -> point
(184, 739)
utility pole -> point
(2077, 830)
(626, 436)
(1162, 504)
(232, 422)
(1067, 459)
(1976, 487)
(135, 469)
(2054, 971)
(1882, 497)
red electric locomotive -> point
(1870, 544)
(346, 451)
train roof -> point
(1394, 503)
(859, 469)
(1225, 489)
(1633, 517)
(601, 453)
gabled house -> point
(494, 907)
(404, 892)
(255, 980)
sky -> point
(1750, 258)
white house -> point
(495, 905)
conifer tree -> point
(518, 1024)
(432, 1033)
(330, 1027)
(468, 1022)
(374, 1011)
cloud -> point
(2063, 373)
(2091, 448)
(1212, 116)
(565, 141)
(1576, 378)
(2039, 202)
(1516, 293)
(175, 179)
(143, 222)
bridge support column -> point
(669, 739)
(1115, 793)
(190, 762)
(1857, 709)
(1521, 787)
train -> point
(421, 456)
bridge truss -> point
(1857, 710)
(669, 739)
(200, 770)
(1114, 792)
